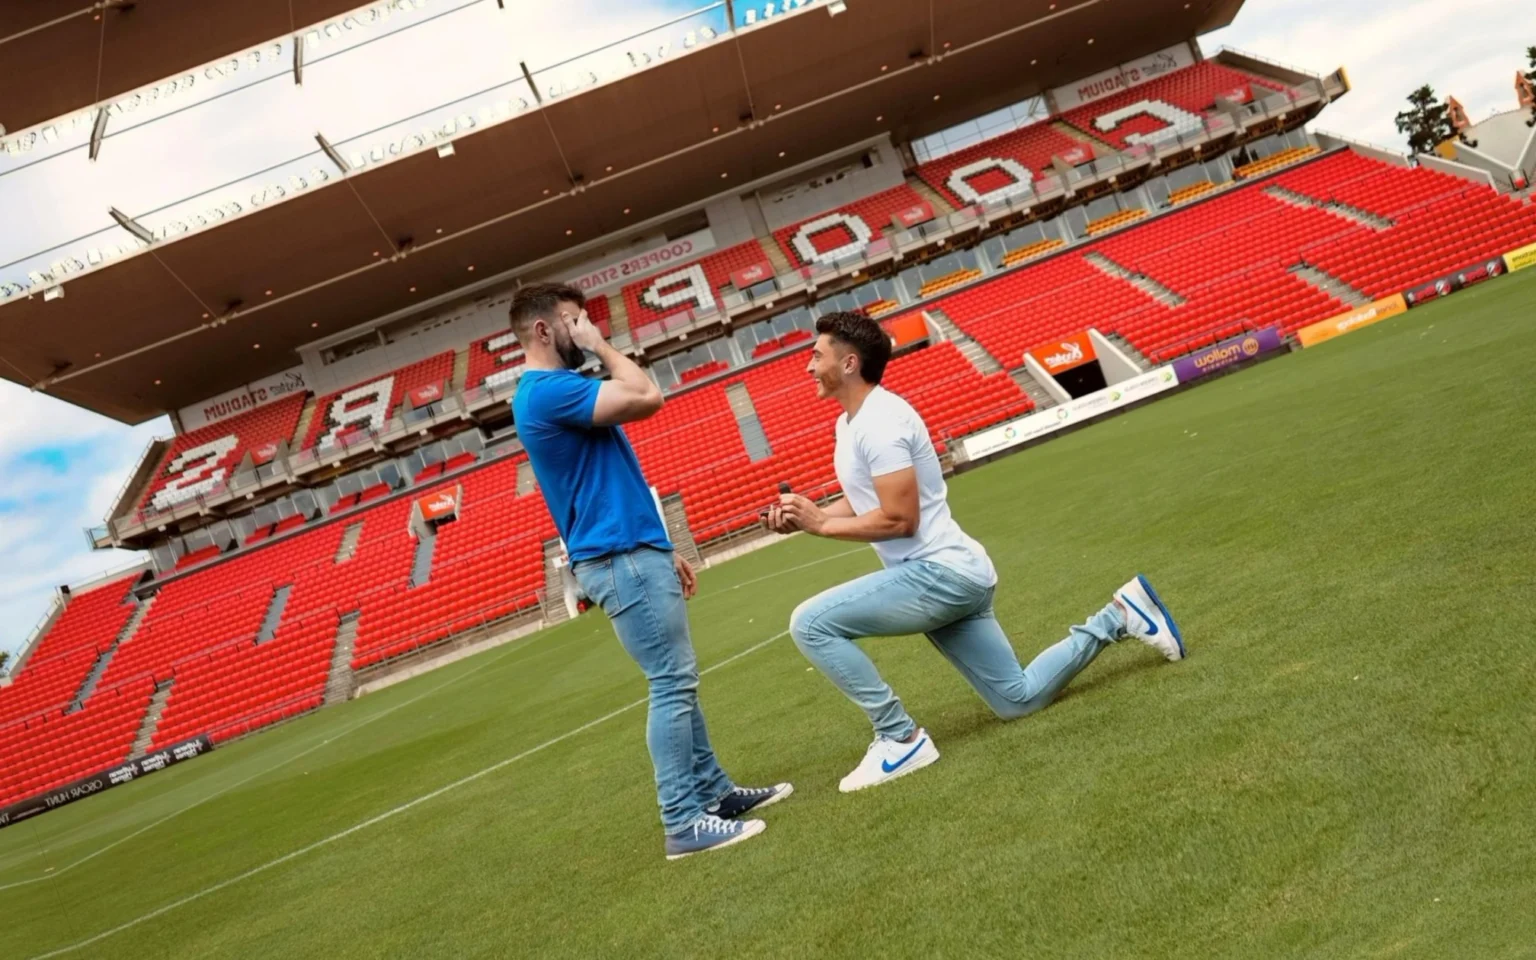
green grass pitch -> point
(1342, 768)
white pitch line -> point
(380, 716)
(776, 573)
(386, 815)
(298, 756)
(264, 771)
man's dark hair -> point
(864, 337)
(541, 300)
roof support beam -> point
(131, 225)
(741, 60)
(98, 132)
(336, 157)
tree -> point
(1428, 123)
(1530, 54)
(5, 658)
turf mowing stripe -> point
(388, 814)
(513, 647)
(777, 573)
(298, 756)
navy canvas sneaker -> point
(711, 833)
(742, 799)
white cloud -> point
(60, 470)
(42, 511)
(1467, 50)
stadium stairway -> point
(1129, 349)
(942, 205)
(1331, 285)
(752, 435)
(984, 362)
(1143, 282)
(781, 264)
(1362, 217)
(306, 419)
(146, 734)
(274, 615)
(1038, 395)
(458, 379)
(554, 584)
(421, 565)
(347, 548)
(104, 659)
(338, 682)
(618, 317)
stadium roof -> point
(66, 55)
(180, 321)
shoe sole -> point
(789, 789)
(787, 792)
(916, 765)
(1178, 637)
(746, 834)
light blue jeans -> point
(640, 593)
(956, 615)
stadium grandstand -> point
(1049, 205)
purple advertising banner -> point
(1227, 353)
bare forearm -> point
(876, 526)
(624, 370)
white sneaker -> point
(1148, 620)
(889, 759)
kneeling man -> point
(937, 580)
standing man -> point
(620, 553)
(937, 581)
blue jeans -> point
(956, 615)
(640, 593)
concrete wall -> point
(1332, 141)
(1471, 168)
(783, 207)
(729, 222)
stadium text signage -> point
(242, 399)
(748, 277)
(1227, 353)
(1353, 320)
(1452, 282)
(1071, 413)
(593, 278)
(1520, 259)
(1115, 79)
(105, 780)
(424, 395)
(439, 505)
(1065, 354)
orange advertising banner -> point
(1062, 355)
(907, 329)
(439, 505)
(1355, 319)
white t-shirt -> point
(887, 435)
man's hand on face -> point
(583, 331)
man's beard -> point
(571, 355)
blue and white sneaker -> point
(743, 799)
(711, 833)
(1148, 620)
(888, 759)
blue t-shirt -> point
(590, 476)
